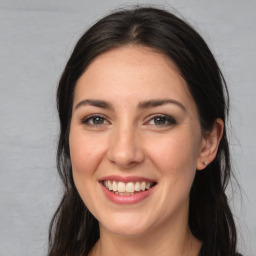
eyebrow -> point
(141, 105)
(160, 102)
(95, 103)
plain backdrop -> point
(36, 39)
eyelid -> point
(171, 120)
(85, 120)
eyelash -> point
(92, 118)
(165, 120)
(168, 120)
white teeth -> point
(114, 186)
(109, 185)
(137, 186)
(143, 186)
(121, 187)
(127, 188)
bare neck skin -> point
(164, 241)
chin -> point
(126, 230)
(126, 225)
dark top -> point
(201, 253)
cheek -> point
(175, 159)
(175, 154)
(86, 152)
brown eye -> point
(97, 120)
(162, 120)
(94, 120)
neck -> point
(171, 242)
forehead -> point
(130, 73)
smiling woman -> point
(143, 152)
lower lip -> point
(125, 199)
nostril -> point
(126, 158)
(125, 149)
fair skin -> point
(134, 121)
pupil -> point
(98, 120)
(160, 120)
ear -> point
(210, 144)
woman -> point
(143, 152)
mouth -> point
(127, 188)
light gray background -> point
(36, 38)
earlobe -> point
(210, 144)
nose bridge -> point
(125, 149)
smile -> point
(127, 188)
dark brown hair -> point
(74, 230)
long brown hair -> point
(73, 229)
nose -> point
(125, 148)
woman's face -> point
(135, 141)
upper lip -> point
(126, 179)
